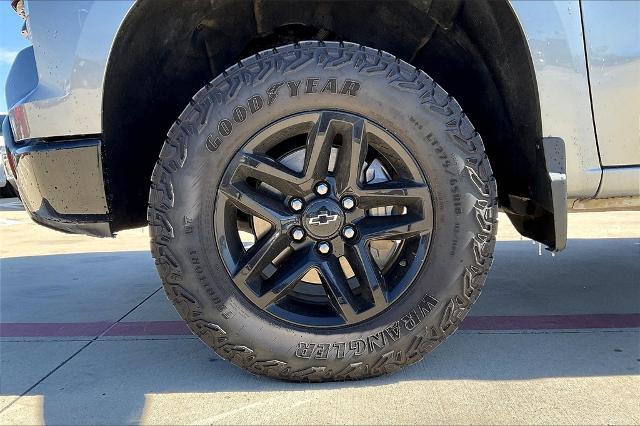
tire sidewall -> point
(411, 107)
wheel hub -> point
(323, 219)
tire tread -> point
(331, 55)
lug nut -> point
(297, 234)
(324, 247)
(349, 232)
(322, 188)
(348, 203)
(296, 204)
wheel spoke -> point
(398, 227)
(394, 193)
(285, 278)
(318, 148)
(338, 288)
(253, 262)
(256, 203)
(367, 272)
(269, 171)
(351, 157)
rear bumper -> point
(61, 183)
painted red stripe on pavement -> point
(149, 328)
(179, 328)
(53, 329)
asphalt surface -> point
(87, 337)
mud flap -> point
(555, 161)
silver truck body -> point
(588, 82)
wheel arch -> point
(477, 51)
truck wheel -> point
(322, 211)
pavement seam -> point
(77, 352)
(127, 314)
(104, 338)
(45, 377)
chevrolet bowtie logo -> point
(323, 218)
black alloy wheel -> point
(320, 219)
(322, 211)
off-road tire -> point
(393, 94)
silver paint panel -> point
(71, 41)
(620, 182)
(612, 31)
(67, 99)
(554, 33)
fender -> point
(76, 87)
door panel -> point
(612, 35)
(554, 34)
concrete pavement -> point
(87, 336)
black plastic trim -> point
(61, 183)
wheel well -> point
(165, 52)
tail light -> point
(18, 6)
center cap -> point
(323, 219)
